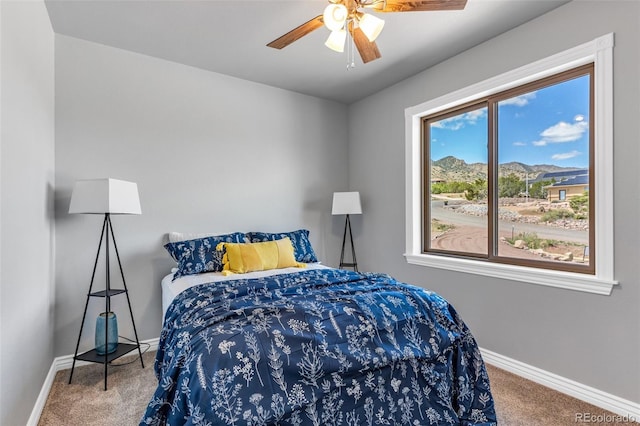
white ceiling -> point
(230, 37)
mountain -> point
(535, 169)
(454, 169)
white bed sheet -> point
(171, 289)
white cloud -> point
(566, 155)
(565, 132)
(474, 115)
(520, 101)
(459, 121)
(519, 144)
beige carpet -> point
(521, 402)
(84, 402)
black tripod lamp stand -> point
(347, 203)
(106, 197)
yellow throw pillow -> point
(240, 258)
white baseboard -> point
(622, 407)
(606, 401)
(64, 363)
(34, 418)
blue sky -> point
(548, 126)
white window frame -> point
(600, 52)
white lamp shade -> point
(336, 40)
(100, 196)
(334, 17)
(371, 26)
(346, 203)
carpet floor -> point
(84, 402)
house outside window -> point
(566, 184)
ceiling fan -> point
(341, 16)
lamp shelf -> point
(108, 293)
(94, 356)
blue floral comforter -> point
(317, 347)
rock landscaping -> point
(510, 211)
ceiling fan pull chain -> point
(351, 63)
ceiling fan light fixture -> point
(336, 40)
(335, 15)
(370, 25)
(347, 17)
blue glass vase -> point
(112, 339)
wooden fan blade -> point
(296, 33)
(419, 6)
(368, 49)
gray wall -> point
(214, 153)
(208, 152)
(26, 213)
(592, 339)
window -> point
(483, 161)
(473, 181)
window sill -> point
(545, 277)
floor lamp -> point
(106, 197)
(347, 203)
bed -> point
(313, 345)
